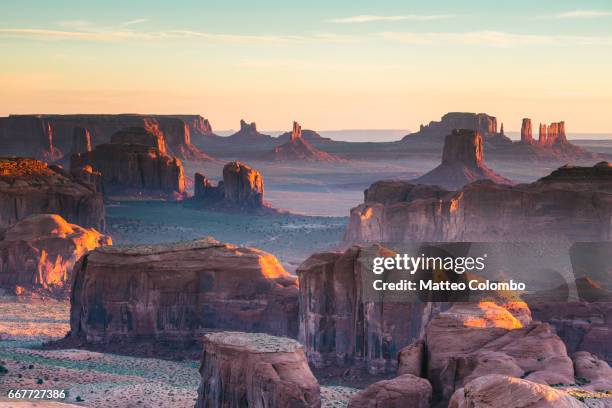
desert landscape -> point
(221, 206)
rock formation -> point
(255, 370)
(595, 372)
(248, 134)
(81, 141)
(404, 391)
(22, 135)
(242, 189)
(175, 292)
(578, 203)
(40, 251)
(471, 340)
(462, 162)
(135, 163)
(526, 131)
(480, 123)
(29, 186)
(299, 149)
(28, 135)
(543, 134)
(339, 326)
(505, 391)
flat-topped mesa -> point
(462, 162)
(29, 186)
(176, 292)
(298, 148)
(578, 203)
(242, 189)
(39, 252)
(81, 141)
(526, 131)
(255, 370)
(134, 163)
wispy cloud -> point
(371, 18)
(492, 39)
(580, 14)
(134, 21)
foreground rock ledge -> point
(177, 292)
(255, 370)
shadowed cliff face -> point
(572, 204)
(29, 186)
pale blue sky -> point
(331, 65)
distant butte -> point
(462, 162)
(299, 149)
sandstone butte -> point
(29, 186)
(297, 148)
(135, 163)
(176, 292)
(49, 137)
(462, 162)
(578, 202)
(39, 252)
(255, 370)
(242, 189)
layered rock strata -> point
(255, 370)
(578, 203)
(29, 186)
(177, 292)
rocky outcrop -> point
(462, 163)
(255, 370)
(411, 359)
(29, 186)
(28, 135)
(40, 251)
(134, 163)
(176, 292)
(526, 131)
(596, 373)
(242, 189)
(248, 134)
(578, 203)
(340, 326)
(299, 149)
(472, 340)
(198, 126)
(403, 391)
(505, 391)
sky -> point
(328, 64)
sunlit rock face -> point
(403, 391)
(255, 370)
(29, 186)
(176, 292)
(462, 163)
(497, 390)
(81, 141)
(297, 148)
(339, 326)
(471, 340)
(39, 252)
(571, 204)
(135, 163)
(526, 131)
